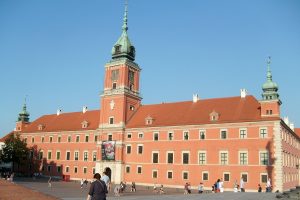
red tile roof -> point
(231, 109)
(6, 136)
(65, 122)
(297, 131)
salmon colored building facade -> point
(170, 143)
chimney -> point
(243, 93)
(292, 126)
(195, 98)
(58, 112)
(84, 109)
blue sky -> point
(55, 51)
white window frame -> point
(109, 120)
(67, 154)
(137, 169)
(67, 169)
(153, 157)
(93, 154)
(140, 135)
(266, 134)
(183, 152)
(264, 151)
(129, 135)
(171, 171)
(171, 132)
(59, 155)
(183, 135)
(49, 151)
(127, 167)
(183, 172)
(224, 176)
(154, 133)
(220, 158)
(155, 170)
(205, 172)
(75, 155)
(108, 136)
(137, 150)
(167, 157)
(226, 134)
(87, 156)
(87, 135)
(242, 173)
(246, 133)
(59, 138)
(84, 168)
(260, 176)
(76, 167)
(77, 136)
(200, 152)
(128, 145)
(200, 132)
(243, 151)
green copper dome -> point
(123, 47)
(23, 115)
(270, 88)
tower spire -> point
(123, 47)
(269, 88)
(24, 115)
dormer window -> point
(84, 124)
(118, 49)
(41, 127)
(214, 116)
(148, 120)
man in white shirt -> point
(242, 185)
(106, 180)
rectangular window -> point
(264, 158)
(49, 155)
(84, 170)
(226, 177)
(202, 158)
(77, 138)
(185, 135)
(59, 139)
(95, 138)
(185, 158)
(224, 158)
(141, 135)
(115, 74)
(170, 174)
(263, 132)
(86, 138)
(85, 156)
(243, 158)
(205, 176)
(67, 169)
(58, 169)
(202, 135)
(50, 139)
(127, 169)
(139, 169)
(110, 137)
(57, 155)
(49, 168)
(171, 135)
(154, 174)
(185, 175)
(75, 170)
(69, 138)
(43, 139)
(94, 156)
(154, 157)
(68, 155)
(140, 149)
(170, 158)
(76, 155)
(263, 178)
(243, 133)
(128, 135)
(111, 120)
(41, 155)
(155, 136)
(32, 140)
(223, 134)
(94, 170)
(128, 149)
(245, 177)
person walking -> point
(242, 185)
(269, 186)
(221, 185)
(106, 180)
(50, 182)
(81, 183)
(98, 189)
(200, 188)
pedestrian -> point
(98, 189)
(189, 188)
(117, 190)
(155, 188)
(242, 185)
(106, 180)
(221, 185)
(12, 177)
(218, 186)
(185, 187)
(269, 186)
(161, 190)
(50, 182)
(81, 183)
(200, 188)
(235, 186)
(259, 188)
(133, 188)
(85, 182)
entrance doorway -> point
(108, 172)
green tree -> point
(15, 151)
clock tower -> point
(120, 97)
